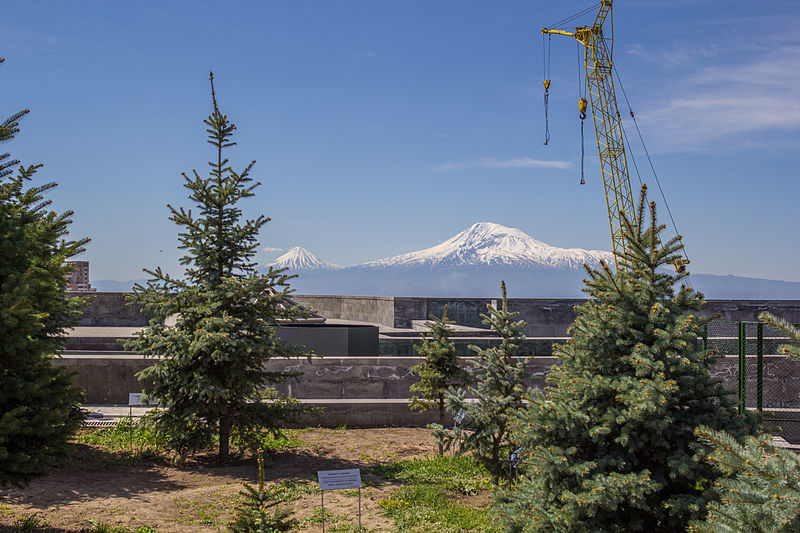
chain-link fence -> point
(754, 370)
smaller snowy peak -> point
(488, 243)
(299, 259)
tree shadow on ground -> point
(295, 463)
(91, 473)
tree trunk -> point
(224, 438)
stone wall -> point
(546, 317)
(111, 309)
(108, 380)
(374, 309)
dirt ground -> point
(200, 496)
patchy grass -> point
(293, 489)
(439, 494)
(135, 436)
(102, 527)
(455, 473)
(138, 439)
(333, 522)
(210, 509)
(32, 522)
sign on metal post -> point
(513, 463)
(135, 398)
(339, 479)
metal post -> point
(742, 369)
(322, 493)
(130, 421)
(704, 340)
(359, 509)
(760, 367)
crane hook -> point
(546, 105)
(582, 105)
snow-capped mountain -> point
(474, 262)
(486, 243)
(298, 259)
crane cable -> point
(649, 160)
(563, 22)
(582, 104)
(546, 73)
(546, 67)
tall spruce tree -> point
(38, 404)
(610, 444)
(498, 391)
(211, 375)
(760, 490)
(438, 372)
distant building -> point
(78, 279)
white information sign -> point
(135, 398)
(460, 416)
(339, 479)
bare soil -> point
(200, 496)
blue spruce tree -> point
(211, 376)
(610, 445)
(38, 404)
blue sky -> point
(385, 127)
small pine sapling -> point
(610, 444)
(260, 512)
(498, 391)
(438, 372)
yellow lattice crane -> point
(598, 64)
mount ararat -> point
(473, 262)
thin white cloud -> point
(490, 162)
(271, 249)
(730, 107)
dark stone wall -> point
(550, 317)
(108, 380)
(111, 309)
(546, 317)
(375, 309)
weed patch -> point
(430, 498)
(456, 473)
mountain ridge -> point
(300, 259)
(493, 244)
(474, 261)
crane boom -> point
(607, 123)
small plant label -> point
(460, 416)
(339, 479)
(514, 458)
(135, 398)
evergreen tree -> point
(211, 375)
(260, 511)
(38, 404)
(498, 390)
(610, 445)
(761, 488)
(439, 371)
(760, 492)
